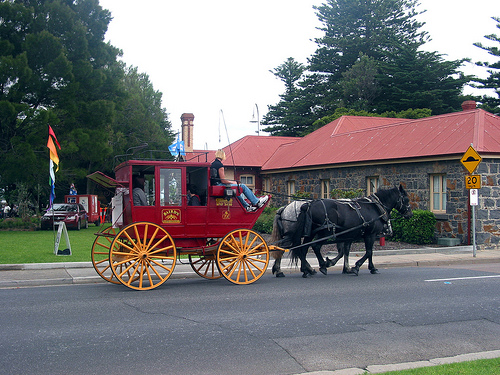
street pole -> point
(258, 119)
(474, 231)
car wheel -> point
(87, 224)
(79, 225)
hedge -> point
(419, 229)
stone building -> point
(423, 155)
(373, 153)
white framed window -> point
(372, 185)
(325, 189)
(438, 193)
(248, 180)
(266, 184)
(291, 190)
(170, 186)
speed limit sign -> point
(473, 181)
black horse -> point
(345, 221)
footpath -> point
(65, 273)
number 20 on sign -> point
(473, 181)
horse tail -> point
(277, 233)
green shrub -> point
(346, 194)
(30, 223)
(417, 230)
(301, 195)
(265, 221)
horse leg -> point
(369, 252)
(347, 249)
(317, 251)
(277, 255)
(305, 267)
(369, 241)
(340, 251)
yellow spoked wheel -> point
(142, 256)
(205, 266)
(242, 256)
(100, 254)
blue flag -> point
(177, 148)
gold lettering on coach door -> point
(171, 215)
(223, 202)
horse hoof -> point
(305, 275)
(355, 271)
(312, 272)
(374, 271)
(280, 274)
(323, 270)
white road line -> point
(465, 278)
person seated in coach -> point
(138, 194)
(217, 177)
(192, 197)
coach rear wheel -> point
(242, 256)
(142, 256)
(205, 266)
(100, 254)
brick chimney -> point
(187, 131)
(468, 105)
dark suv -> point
(73, 215)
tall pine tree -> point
(286, 118)
(376, 42)
(492, 82)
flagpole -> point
(54, 159)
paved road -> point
(275, 326)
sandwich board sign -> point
(62, 229)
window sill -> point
(441, 216)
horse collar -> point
(383, 209)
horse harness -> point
(353, 204)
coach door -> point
(170, 197)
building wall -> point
(415, 178)
(488, 210)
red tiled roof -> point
(249, 151)
(253, 150)
(361, 139)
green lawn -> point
(479, 367)
(38, 246)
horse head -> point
(395, 198)
(403, 204)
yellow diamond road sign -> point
(471, 159)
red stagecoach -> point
(141, 248)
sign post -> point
(470, 161)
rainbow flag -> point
(54, 159)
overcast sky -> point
(212, 58)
